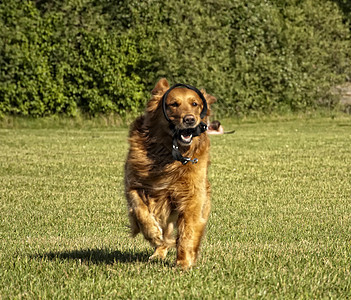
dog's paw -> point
(160, 253)
(184, 264)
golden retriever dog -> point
(166, 181)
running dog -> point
(166, 182)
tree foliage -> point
(345, 6)
(58, 57)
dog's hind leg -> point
(139, 213)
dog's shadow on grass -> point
(98, 256)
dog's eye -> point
(174, 104)
(194, 104)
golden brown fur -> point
(161, 192)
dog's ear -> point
(161, 86)
(209, 98)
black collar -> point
(202, 127)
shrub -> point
(287, 55)
(27, 85)
(253, 55)
(102, 56)
(63, 60)
(345, 6)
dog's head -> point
(183, 108)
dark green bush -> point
(27, 85)
(345, 6)
(287, 56)
(99, 56)
(65, 59)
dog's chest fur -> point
(152, 167)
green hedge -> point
(100, 56)
(65, 59)
(345, 6)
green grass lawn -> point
(280, 226)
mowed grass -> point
(280, 225)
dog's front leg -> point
(191, 227)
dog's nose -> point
(189, 119)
